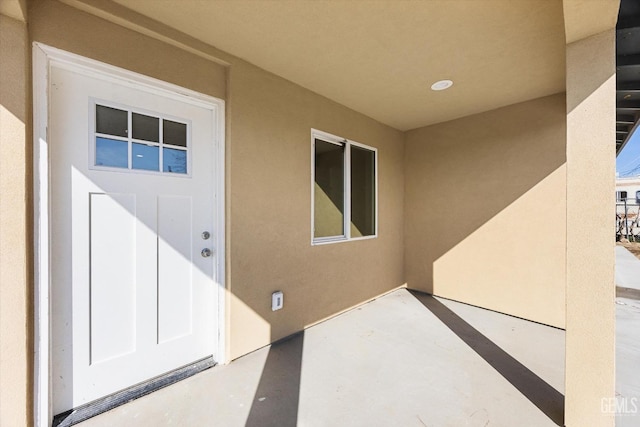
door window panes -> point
(174, 161)
(112, 153)
(145, 157)
(174, 133)
(111, 121)
(145, 127)
(129, 139)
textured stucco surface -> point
(485, 210)
(590, 362)
(15, 9)
(64, 27)
(14, 216)
(584, 18)
(270, 122)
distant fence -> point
(627, 220)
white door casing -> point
(131, 297)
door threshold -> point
(91, 409)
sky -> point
(628, 161)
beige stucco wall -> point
(15, 214)
(590, 347)
(270, 201)
(64, 27)
(485, 209)
(269, 123)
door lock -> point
(206, 252)
(205, 235)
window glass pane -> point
(111, 121)
(363, 192)
(174, 161)
(174, 133)
(110, 152)
(328, 189)
(145, 157)
(145, 127)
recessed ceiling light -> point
(442, 85)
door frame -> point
(44, 57)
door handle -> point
(206, 252)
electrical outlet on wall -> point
(277, 300)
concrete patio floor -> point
(404, 359)
(627, 338)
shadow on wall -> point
(462, 174)
(13, 69)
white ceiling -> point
(380, 57)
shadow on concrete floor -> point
(403, 359)
(277, 396)
(534, 388)
(630, 293)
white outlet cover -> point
(277, 300)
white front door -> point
(132, 187)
